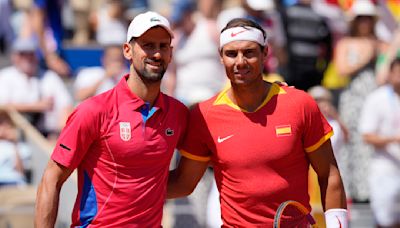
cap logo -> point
(154, 19)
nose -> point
(241, 60)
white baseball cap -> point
(261, 5)
(145, 21)
(363, 8)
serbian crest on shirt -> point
(125, 130)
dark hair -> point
(243, 22)
(395, 62)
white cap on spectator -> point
(260, 4)
(24, 45)
(363, 8)
(145, 21)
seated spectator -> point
(109, 23)
(11, 165)
(31, 91)
(48, 30)
(94, 80)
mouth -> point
(156, 65)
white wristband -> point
(336, 218)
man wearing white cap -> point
(120, 141)
(260, 138)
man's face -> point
(150, 54)
(26, 62)
(243, 61)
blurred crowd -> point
(338, 50)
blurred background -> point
(56, 53)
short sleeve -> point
(81, 130)
(195, 145)
(316, 128)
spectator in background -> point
(11, 165)
(95, 80)
(309, 45)
(380, 127)
(324, 99)
(196, 72)
(81, 12)
(6, 32)
(29, 90)
(355, 57)
(48, 29)
(109, 22)
(265, 14)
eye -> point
(249, 53)
(164, 46)
(148, 46)
(231, 54)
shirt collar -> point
(223, 98)
(127, 96)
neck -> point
(249, 98)
(146, 91)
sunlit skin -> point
(243, 61)
(149, 55)
(365, 25)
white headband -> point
(241, 33)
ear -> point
(220, 56)
(265, 51)
(127, 50)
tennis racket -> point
(292, 214)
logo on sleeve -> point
(125, 131)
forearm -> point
(183, 180)
(332, 191)
(46, 208)
(380, 141)
(176, 189)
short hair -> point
(395, 62)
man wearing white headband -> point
(121, 141)
(260, 138)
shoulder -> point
(90, 71)
(380, 94)
(8, 72)
(175, 104)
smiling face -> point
(150, 54)
(243, 61)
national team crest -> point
(125, 130)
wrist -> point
(336, 218)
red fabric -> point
(259, 158)
(126, 163)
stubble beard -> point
(150, 77)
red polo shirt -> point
(260, 158)
(122, 150)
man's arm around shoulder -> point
(183, 180)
